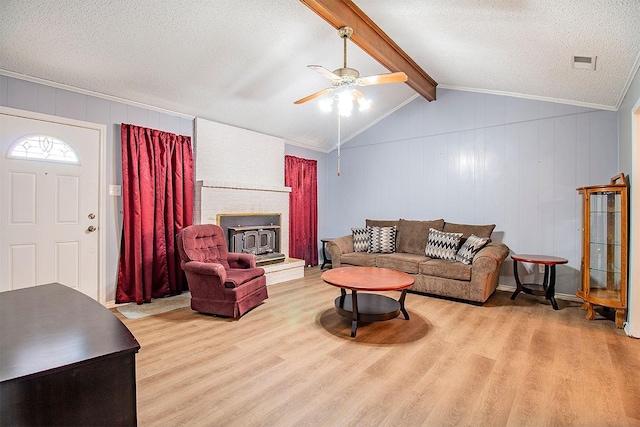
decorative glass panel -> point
(42, 147)
(605, 246)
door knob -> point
(91, 229)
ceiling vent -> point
(584, 62)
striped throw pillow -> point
(360, 239)
(382, 240)
(470, 248)
(442, 245)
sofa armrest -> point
(339, 246)
(240, 260)
(485, 270)
(497, 251)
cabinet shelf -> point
(604, 270)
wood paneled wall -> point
(480, 158)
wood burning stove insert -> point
(258, 234)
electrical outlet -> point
(541, 268)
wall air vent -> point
(584, 62)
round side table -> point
(548, 287)
(325, 261)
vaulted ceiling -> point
(243, 63)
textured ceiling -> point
(244, 62)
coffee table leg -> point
(343, 294)
(401, 301)
(518, 284)
(551, 289)
(354, 304)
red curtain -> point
(157, 190)
(302, 176)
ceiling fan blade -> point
(321, 70)
(381, 79)
(313, 95)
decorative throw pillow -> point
(360, 239)
(470, 248)
(381, 240)
(442, 245)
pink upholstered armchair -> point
(221, 282)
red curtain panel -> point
(157, 199)
(302, 176)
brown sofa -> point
(473, 283)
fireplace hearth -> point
(258, 234)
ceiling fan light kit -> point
(343, 82)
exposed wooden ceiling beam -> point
(370, 38)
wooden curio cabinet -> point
(604, 247)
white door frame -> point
(632, 327)
(102, 179)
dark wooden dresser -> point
(64, 360)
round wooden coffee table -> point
(363, 307)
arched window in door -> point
(43, 147)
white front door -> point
(49, 215)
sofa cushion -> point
(409, 263)
(380, 223)
(363, 259)
(468, 230)
(360, 239)
(470, 248)
(442, 245)
(381, 240)
(412, 236)
(446, 269)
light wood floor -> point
(291, 362)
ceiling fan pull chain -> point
(338, 144)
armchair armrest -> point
(205, 269)
(239, 260)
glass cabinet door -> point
(605, 267)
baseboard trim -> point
(561, 296)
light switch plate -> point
(115, 190)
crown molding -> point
(56, 85)
(525, 96)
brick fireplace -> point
(219, 200)
(241, 173)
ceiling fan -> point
(344, 79)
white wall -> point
(481, 159)
(29, 96)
